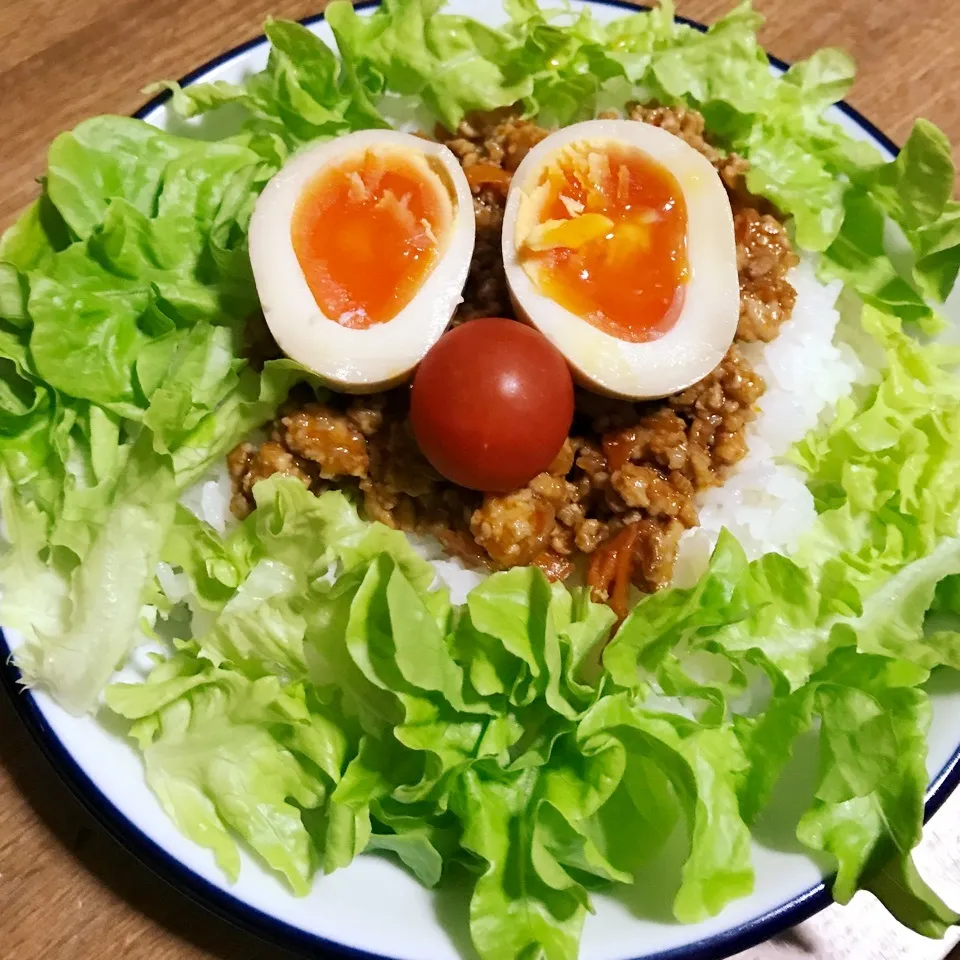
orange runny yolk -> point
(610, 241)
(367, 232)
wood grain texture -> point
(67, 890)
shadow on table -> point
(107, 860)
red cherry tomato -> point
(492, 403)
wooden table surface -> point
(67, 890)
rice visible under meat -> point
(659, 480)
(209, 498)
(764, 503)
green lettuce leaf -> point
(105, 590)
(884, 473)
(561, 68)
(914, 188)
(704, 767)
(124, 291)
(304, 94)
(868, 809)
(514, 910)
(479, 738)
(214, 751)
(379, 657)
(937, 246)
(410, 48)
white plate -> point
(374, 907)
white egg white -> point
(384, 354)
(708, 320)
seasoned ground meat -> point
(623, 488)
(553, 565)
(499, 138)
(366, 414)
(682, 122)
(248, 464)
(513, 528)
(718, 408)
(490, 147)
(329, 439)
(258, 344)
(764, 255)
(485, 293)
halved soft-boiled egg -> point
(618, 245)
(360, 248)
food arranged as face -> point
(536, 353)
(624, 254)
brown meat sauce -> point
(622, 489)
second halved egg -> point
(360, 247)
(618, 245)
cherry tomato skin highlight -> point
(491, 405)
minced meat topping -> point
(623, 488)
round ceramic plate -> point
(374, 908)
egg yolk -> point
(610, 242)
(365, 233)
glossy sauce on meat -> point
(623, 489)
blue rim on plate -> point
(272, 930)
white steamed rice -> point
(765, 503)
